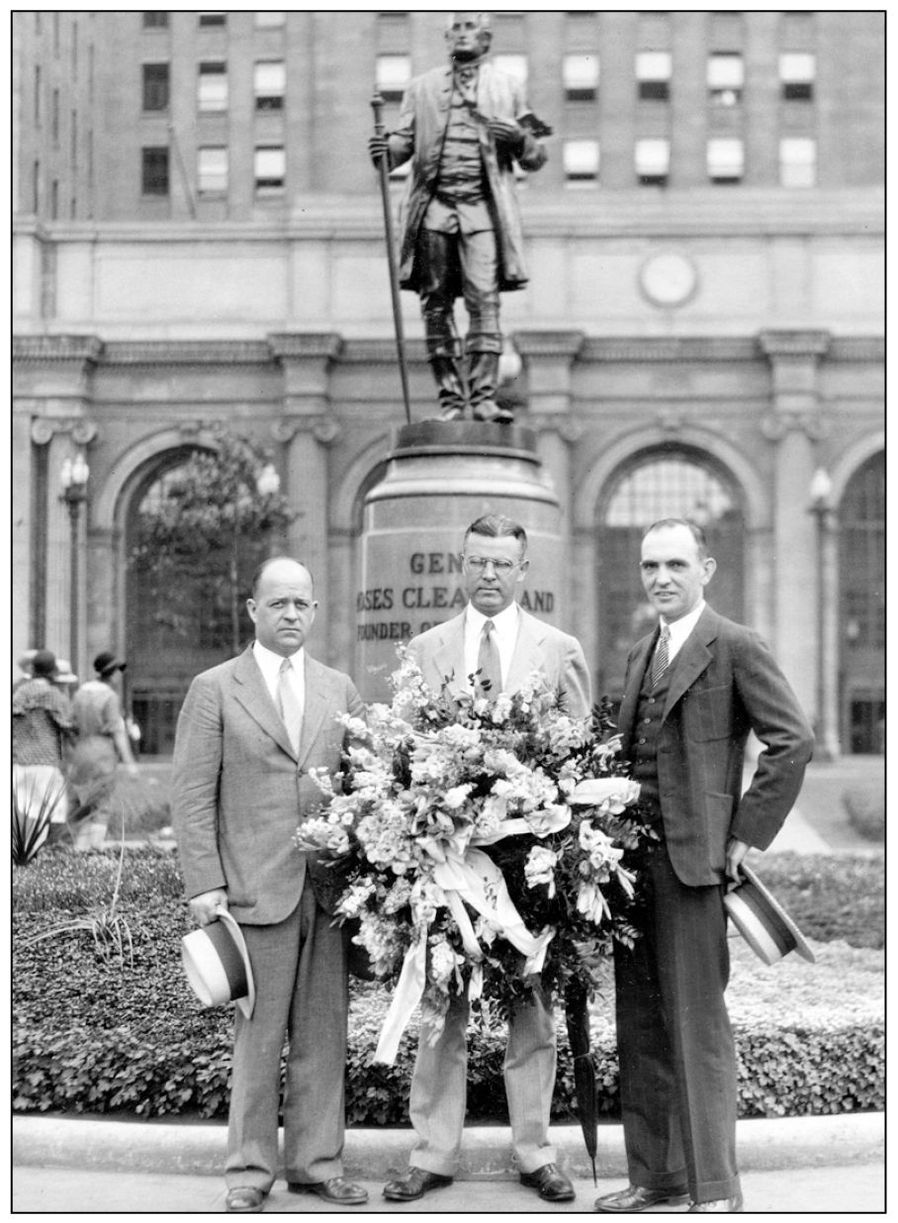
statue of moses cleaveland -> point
(464, 127)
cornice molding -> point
(186, 352)
(669, 348)
(775, 426)
(798, 343)
(548, 343)
(301, 346)
(42, 348)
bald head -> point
(282, 606)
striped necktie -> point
(288, 705)
(488, 663)
(661, 657)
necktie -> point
(288, 705)
(488, 661)
(661, 657)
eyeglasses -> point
(478, 564)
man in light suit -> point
(494, 636)
(694, 689)
(248, 735)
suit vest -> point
(644, 740)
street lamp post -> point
(820, 507)
(73, 479)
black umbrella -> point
(577, 1015)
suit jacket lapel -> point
(449, 656)
(692, 659)
(527, 649)
(251, 692)
(642, 652)
(316, 706)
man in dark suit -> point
(694, 689)
(249, 733)
(495, 637)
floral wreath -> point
(482, 845)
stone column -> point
(51, 400)
(306, 429)
(794, 425)
(548, 358)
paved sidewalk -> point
(855, 1189)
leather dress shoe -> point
(550, 1184)
(246, 1199)
(337, 1190)
(721, 1206)
(634, 1198)
(415, 1183)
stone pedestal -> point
(440, 477)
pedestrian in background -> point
(102, 742)
(41, 727)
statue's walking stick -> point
(377, 105)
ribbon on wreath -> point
(475, 878)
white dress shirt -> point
(270, 666)
(680, 629)
(505, 634)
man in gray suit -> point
(249, 733)
(694, 689)
(495, 637)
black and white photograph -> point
(447, 546)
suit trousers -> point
(678, 1078)
(439, 1087)
(455, 265)
(299, 969)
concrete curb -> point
(199, 1149)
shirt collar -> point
(503, 620)
(680, 629)
(270, 663)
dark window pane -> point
(155, 20)
(654, 91)
(154, 171)
(798, 91)
(155, 86)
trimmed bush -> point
(100, 1037)
(866, 808)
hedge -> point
(92, 1033)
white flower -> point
(591, 903)
(540, 868)
(456, 797)
(549, 819)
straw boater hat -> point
(765, 925)
(217, 964)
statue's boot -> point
(483, 377)
(450, 390)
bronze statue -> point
(464, 127)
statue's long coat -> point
(423, 120)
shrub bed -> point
(94, 1033)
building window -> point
(154, 171)
(391, 74)
(653, 73)
(210, 18)
(862, 576)
(155, 21)
(212, 87)
(155, 86)
(580, 74)
(212, 170)
(266, 21)
(37, 95)
(269, 84)
(652, 158)
(54, 200)
(798, 162)
(36, 185)
(581, 163)
(726, 160)
(514, 65)
(270, 167)
(797, 73)
(726, 78)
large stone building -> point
(198, 242)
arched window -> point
(862, 606)
(668, 483)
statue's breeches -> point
(459, 265)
